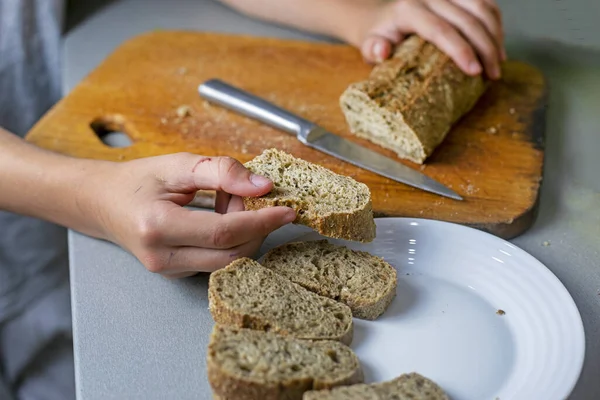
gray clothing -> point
(36, 356)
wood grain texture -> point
(493, 157)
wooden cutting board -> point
(493, 157)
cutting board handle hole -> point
(111, 131)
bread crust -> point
(357, 226)
(226, 387)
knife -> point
(316, 137)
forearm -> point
(340, 19)
(45, 185)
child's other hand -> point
(469, 31)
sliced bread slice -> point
(409, 102)
(244, 364)
(364, 282)
(406, 387)
(334, 205)
(247, 295)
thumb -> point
(376, 49)
(188, 172)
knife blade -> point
(316, 137)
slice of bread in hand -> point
(247, 295)
(409, 102)
(366, 283)
(334, 205)
(406, 387)
(244, 364)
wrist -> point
(49, 186)
(90, 189)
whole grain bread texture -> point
(364, 282)
(410, 101)
(333, 205)
(247, 295)
(245, 364)
(410, 386)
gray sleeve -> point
(30, 33)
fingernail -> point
(259, 180)
(378, 51)
(290, 216)
(497, 73)
(474, 67)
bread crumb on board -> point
(469, 189)
(492, 130)
(512, 111)
(183, 111)
(500, 312)
(545, 243)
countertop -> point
(137, 335)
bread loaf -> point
(333, 205)
(409, 102)
(366, 283)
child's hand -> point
(469, 31)
(139, 205)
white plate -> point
(444, 324)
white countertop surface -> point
(138, 335)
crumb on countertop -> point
(512, 110)
(500, 312)
(492, 130)
(545, 243)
